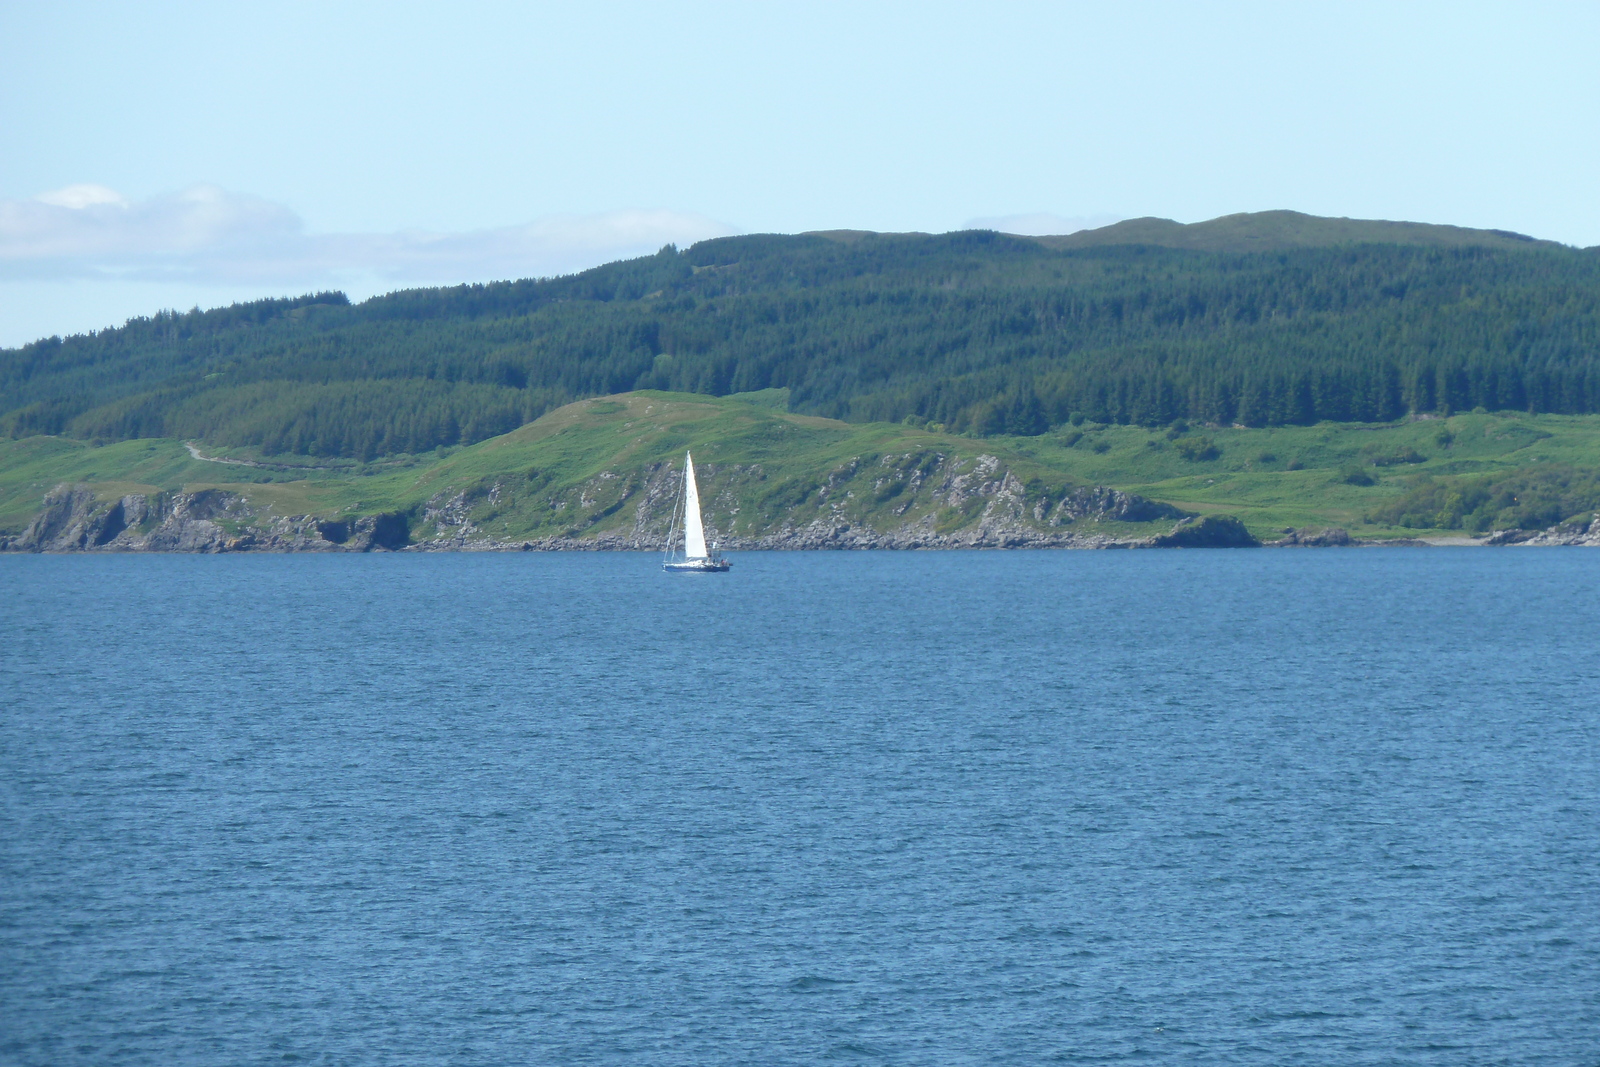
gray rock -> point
(1212, 531)
(1106, 504)
(72, 519)
(1312, 537)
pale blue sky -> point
(246, 149)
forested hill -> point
(1267, 319)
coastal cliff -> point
(1000, 513)
(73, 519)
(215, 520)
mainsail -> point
(694, 533)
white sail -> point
(694, 533)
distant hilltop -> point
(1264, 231)
(1275, 231)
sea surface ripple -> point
(1243, 808)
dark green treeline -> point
(978, 331)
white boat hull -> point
(697, 566)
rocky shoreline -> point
(213, 520)
(72, 520)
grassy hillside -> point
(584, 470)
(1271, 319)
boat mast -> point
(672, 529)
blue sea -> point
(1201, 807)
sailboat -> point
(695, 557)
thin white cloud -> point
(1042, 223)
(208, 235)
(82, 196)
(85, 230)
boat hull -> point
(697, 566)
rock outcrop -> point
(75, 519)
(1212, 531)
(1102, 503)
(1586, 534)
(1312, 537)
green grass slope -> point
(582, 470)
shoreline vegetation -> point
(597, 474)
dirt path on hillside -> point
(195, 452)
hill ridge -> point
(1261, 231)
